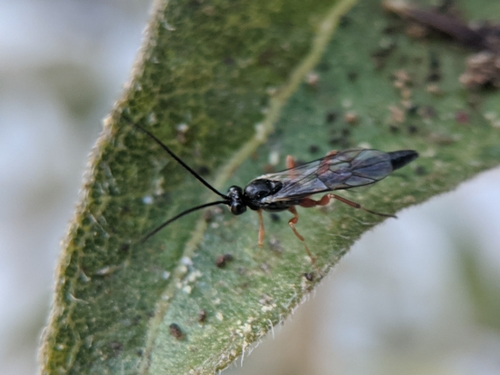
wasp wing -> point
(343, 170)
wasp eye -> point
(238, 208)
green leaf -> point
(223, 85)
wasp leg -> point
(308, 202)
(294, 220)
(324, 166)
(261, 229)
(290, 164)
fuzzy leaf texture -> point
(226, 85)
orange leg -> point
(261, 229)
(308, 202)
(325, 162)
(290, 162)
(294, 220)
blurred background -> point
(420, 294)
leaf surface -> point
(228, 86)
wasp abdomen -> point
(400, 158)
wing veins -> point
(339, 158)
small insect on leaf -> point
(222, 260)
(202, 316)
(285, 190)
(309, 276)
(176, 331)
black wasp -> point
(294, 186)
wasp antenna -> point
(156, 230)
(187, 167)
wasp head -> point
(236, 204)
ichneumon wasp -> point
(294, 186)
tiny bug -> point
(202, 316)
(222, 260)
(285, 190)
(309, 276)
(176, 331)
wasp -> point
(294, 186)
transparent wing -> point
(343, 170)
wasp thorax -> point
(259, 189)
(235, 194)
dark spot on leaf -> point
(222, 260)
(339, 142)
(331, 116)
(412, 129)
(202, 316)
(420, 171)
(380, 55)
(309, 276)
(176, 331)
(116, 346)
(352, 76)
(393, 128)
(412, 110)
(344, 21)
(434, 68)
(313, 149)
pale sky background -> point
(398, 303)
